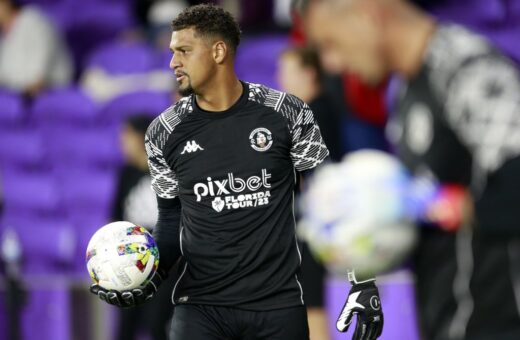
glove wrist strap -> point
(355, 281)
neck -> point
(407, 41)
(221, 93)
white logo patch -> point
(218, 204)
(375, 303)
(261, 139)
(191, 146)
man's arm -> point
(483, 108)
(166, 233)
(309, 153)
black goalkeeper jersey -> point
(234, 172)
(458, 121)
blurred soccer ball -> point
(355, 214)
(122, 256)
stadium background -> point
(59, 151)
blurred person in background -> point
(135, 201)
(225, 197)
(455, 120)
(33, 55)
(300, 73)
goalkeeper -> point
(223, 162)
(456, 120)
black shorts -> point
(201, 322)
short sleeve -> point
(308, 148)
(164, 179)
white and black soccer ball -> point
(355, 214)
(122, 256)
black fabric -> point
(500, 198)
(234, 173)
(201, 322)
(154, 316)
(166, 233)
(313, 278)
(330, 123)
(441, 129)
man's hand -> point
(129, 298)
(363, 301)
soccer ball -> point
(122, 256)
(356, 214)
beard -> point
(186, 91)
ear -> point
(220, 52)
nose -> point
(174, 63)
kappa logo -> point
(191, 146)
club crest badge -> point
(218, 204)
(261, 139)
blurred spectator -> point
(300, 73)
(136, 202)
(33, 56)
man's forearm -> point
(166, 233)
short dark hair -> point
(209, 20)
(308, 57)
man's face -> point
(260, 140)
(293, 77)
(192, 60)
(348, 37)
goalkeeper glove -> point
(129, 298)
(363, 301)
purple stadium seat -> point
(47, 244)
(123, 58)
(87, 191)
(11, 108)
(152, 103)
(21, 147)
(84, 146)
(68, 105)
(85, 226)
(29, 193)
(89, 24)
(257, 58)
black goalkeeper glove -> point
(128, 298)
(363, 301)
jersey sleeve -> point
(483, 108)
(164, 180)
(308, 148)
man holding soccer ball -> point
(455, 121)
(223, 162)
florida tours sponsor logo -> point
(229, 193)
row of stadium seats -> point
(69, 107)
(58, 160)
